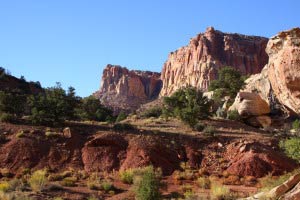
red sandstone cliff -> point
(123, 89)
(197, 63)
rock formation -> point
(280, 78)
(122, 89)
(197, 63)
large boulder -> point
(250, 104)
(279, 81)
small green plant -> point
(127, 176)
(4, 186)
(38, 180)
(58, 198)
(152, 112)
(6, 117)
(203, 182)
(20, 134)
(121, 116)
(120, 127)
(209, 130)
(291, 147)
(147, 185)
(50, 134)
(233, 115)
(219, 191)
(106, 186)
(199, 127)
(69, 182)
(296, 125)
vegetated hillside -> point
(9, 83)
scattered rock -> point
(67, 132)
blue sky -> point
(71, 41)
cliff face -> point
(280, 78)
(122, 89)
(197, 63)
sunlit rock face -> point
(123, 89)
(197, 63)
(280, 78)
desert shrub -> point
(20, 134)
(6, 117)
(269, 182)
(38, 180)
(16, 184)
(92, 109)
(121, 116)
(233, 115)
(209, 130)
(291, 147)
(219, 191)
(50, 134)
(203, 182)
(188, 104)
(58, 198)
(123, 127)
(152, 112)
(69, 182)
(199, 127)
(4, 186)
(296, 125)
(228, 83)
(146, 186)
(106, 185)
(127, 176)
(93, 182)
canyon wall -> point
(197, 63)
(123, 89)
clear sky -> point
(71, 41)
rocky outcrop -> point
(279, 82)
(197, 63)
(290, 189)
(252, 108)
(122, 89)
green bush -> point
(92, 109)
(4, 186)
(219, 191)
(296, 125)
(120, 127)
(69, 182)
(152, 112)
(20, 134)
(121, 116)
(38, 180)
(233, 115)
(147, 185)
(291, 147)
(209, 130)
(199, 127)
(6, 117)
(203, 182)
(229, 83)
(127, 176)
(106, 186)
(188, 104)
